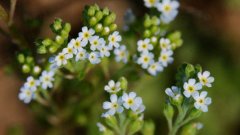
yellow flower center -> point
(164, 57)
(113, 39)
(146, 59)
(204, 80)
(191, 88)
(167, 8)
(77, 44)
(151, 1)
(144, 46)
(61, 57)
(130, 101)
(200, 101)
(86, 35)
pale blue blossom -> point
(201, 101)
(190, 87)
(114, 105)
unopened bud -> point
(25, 68)
(123, 83)
(21, 58)
(99, 27)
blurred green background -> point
(211, 34)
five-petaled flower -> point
(190, 87)
(201, 101)
(205, 78)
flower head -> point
(32, 83)
(68, 51)
(190, 87)
(86, 34)
(121, 54)
(46, 79)
(205, 78)
(81, 54)
(114, 39)
(150, 3)
(112, 87)
(155, 68)
(168, 8)
(26, 94)
(131, 101)
(164, 44)
(94, 57)
(77, 43)
(201, 101)
(146, 59)
(61, 59)
(144, 45)
(166, 57)
(114, 105)
(96, 42)
(104, 51)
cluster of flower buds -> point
(124, 110)
(28, 64)
(61, 30)
(187, 95)
(167, 8)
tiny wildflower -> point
(150, 3)
(86, 34)
(164, 44)
(36, 69)
(61, 59)
(96, 42)
(46, 79)
(81, 54)
(112, 87)
(155, 68)
(190, 87)
(114, 39)
(31, 83)
(121, 54)
(166, 57)
(144, 45)
(113, 106)
(101, 127)
(201, 101)
(205, 78)
(131, 101)
(168, 8)
(104, 51)
(146, 59)
(68, 51)
(173, 92)
(26, 95)
(94, 57)
(77, 43)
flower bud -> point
(148, 128)
(123, 83)
(155, 20)
(168, 111)
(154, 29)
(25, 68)
(36, 70)
(135, 127)
(21, 58)
(64, 34)
(47, 42)
(29, 59)
(189, 129)
(106, 11)
(52, 49)
(57, 25)
(41, 50)
(111, 121)
(91, 11)
(154, 40)
(147, 33)
(59, 40)
(98, 27)
(113, 27)
(93, 21)
(109, 19)
(177, 100)
(147, 22)
(189, 70)
(99, 15)
(67, 27)
(195, 113)
(106, 31)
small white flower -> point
(155, 68)
(77, 43)
(113, 106)
(131, 101)
(101, 127)
(140, 109)
(173, 92)
(168, 8)
(112, 87)
(86, 34)
(190, 87)
(61, 59)
(150, 3)
(36, 69)
(81, 54)
(121, 54)
(201, 101)
(114, 39)
(104, 51)
(96, 42)
(68, 51)
(166, 57)
(145, 59)
(94, 57)
(205, 78)
(144, 45)
(46, 79)
(32, 83)
(164, 44)
(26, 95)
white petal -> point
(208, 101)
(191, 81)
(113, 98)
(206, 73)
(186, 94)
(203, 94)
(132, 94)
(107, 105)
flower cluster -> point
(167, 8)
(125, 105)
